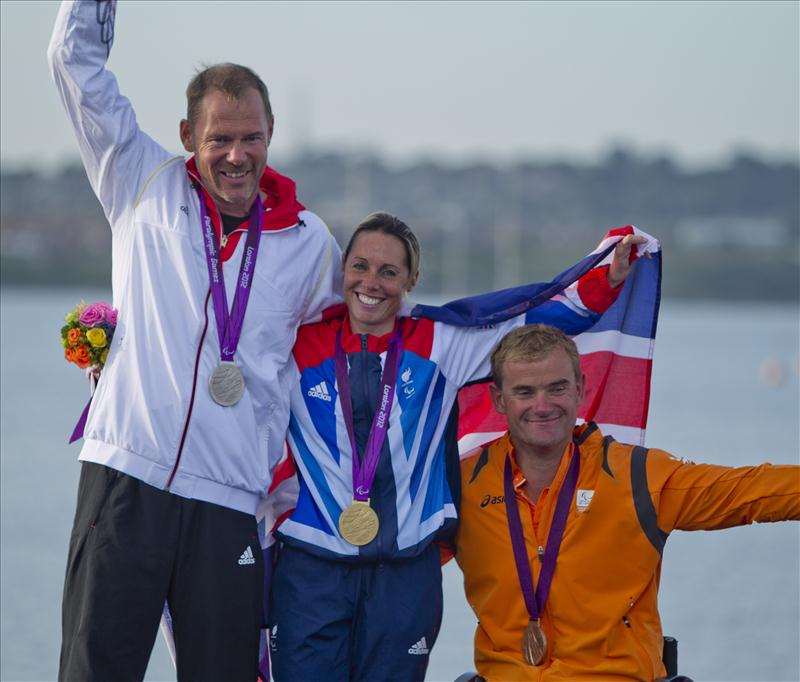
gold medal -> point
(358, 524)
(534, 643)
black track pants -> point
(132, 548)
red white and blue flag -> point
(616, 353)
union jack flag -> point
(616, 353)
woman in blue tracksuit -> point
(356, 593)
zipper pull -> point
(541, 553)
(223, 241)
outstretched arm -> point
(582, 303)
(691, 496)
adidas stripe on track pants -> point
(340, 621)
(132, 548)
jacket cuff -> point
(595, 291)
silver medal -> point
(226, 384)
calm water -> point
(730, 597)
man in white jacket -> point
(215, 264)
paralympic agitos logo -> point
(492, 499)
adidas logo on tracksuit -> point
(247, 557)
(420, 648)
(320, 391)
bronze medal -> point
(358, 524)
(534, 643)
(226, 384)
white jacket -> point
(152, 416)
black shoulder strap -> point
(591, 427)
(642, 502)
(483, 460)
(606, 443)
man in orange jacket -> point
(564, 581)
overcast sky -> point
(450, 80)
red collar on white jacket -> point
(280, 203)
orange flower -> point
(69, 354)
(74, 336)
(82, 356)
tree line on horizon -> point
(731, 231)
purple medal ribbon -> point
(364, 471)
(80, 427)
(534, 603)
(229, 327)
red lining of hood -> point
(281, 201)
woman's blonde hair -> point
(389, 224)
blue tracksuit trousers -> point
(348, 622)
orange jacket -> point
(601, 618)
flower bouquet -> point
(87, 335)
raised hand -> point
(625, 254)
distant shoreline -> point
(727, 233)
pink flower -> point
(95, 313)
